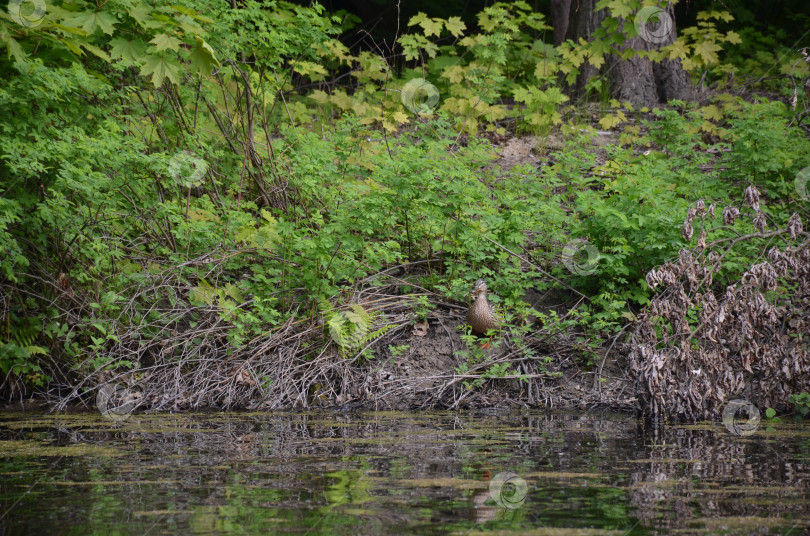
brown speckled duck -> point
(481, 316)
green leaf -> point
(233, 291)
(165, 41)
(677, 50)
(456, 26)
(708, 51)
(417, 19)
(609, 121)
(355, 318)
(522, 94)
(161, 67)
(336, 328)
(431, 26)
(189, 26)
(73, 46)
(618, 8)
(267, 235)
(97, 51)
(770, 413)
(314, 71)
(203, 59)
(734, 38)
(202, 294)
(89, 21)
(14, 48)
(141, 13)
(711, 112)
(128, 51)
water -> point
(397, 473)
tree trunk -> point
(671, 80)
(583, 20)
(559, 19)
(637, 79)
(633, 79)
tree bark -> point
(583, 20)
(559, 19)
(637, 79)
(671, 80)
(633, 79)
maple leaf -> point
(725, 15)
(610, 121)
(129, 51)
(399, 117)
(161, 67)
(618, 8)
(319, 96)
(14, 49)
(734, 38)
(431, 49)
(97, 51)
(141, 13)
(708, 51)
(89, 21)
(711, 112)
(417, 19)
(455, 26)
(521, 94)
(431, 26)
(545, 68)
(307, 68)
(454, 74)
(597, 61)
(189, 25)
(203, 58)
(688, 64)
(165, 41)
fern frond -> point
(350, 329)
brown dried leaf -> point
(420, 329)
(752, 197)
(759, 222)
(794, 225)
(686, 230)
(730, 214)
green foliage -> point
(541, 106)
(628, 207)
(201, 159)
(351, 329)
(765, 153)
(19, 351)
(397, 351)
(422, 307)
(801, 403)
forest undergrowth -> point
(211, 207)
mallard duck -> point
(482, 317)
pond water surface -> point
(397, 473)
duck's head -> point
(480, 288)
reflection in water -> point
(396, 473)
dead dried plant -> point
(699, 344)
